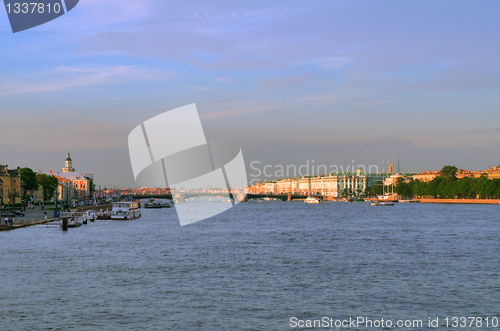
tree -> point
(28, 178)
(433, 188)
(464, 188)
(449, 173)
(49, 184)
(403, 189)
(419, 188)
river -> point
(259, 266)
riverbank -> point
(20, 223)
(461, 201)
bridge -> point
(183, 196)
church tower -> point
(68, 165)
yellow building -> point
(10, 186)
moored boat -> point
(312, 200)
(382, 203)
(125, 210)
(152, 203)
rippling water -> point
(253, 268)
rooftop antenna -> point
(398, 163)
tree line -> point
(31, 181)
(448, 186)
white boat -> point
(382, 203)
(312, 200)
(90, 215)
(152, 203)
(72, 223)
(125, 210)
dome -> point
(68, 158)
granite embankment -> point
(463, 201)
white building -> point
(332, 185)
(72, 184)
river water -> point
(259, 266)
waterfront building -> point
(10, 186)
(426, 176)
(393, 179)
(330, 185)
(461, 173)
(493, 173)
(72, 184)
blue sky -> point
(331, 81)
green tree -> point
(403, 188)
(449, 173)
(434, 186)
(464, 188)
(480, 187)
(28, 178)
(419, 188)
(49, 184)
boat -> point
(382, 203)
(125, 210)
(386, 199)
(407, 201)
(70, 223)
(155, 204)
(312, 200)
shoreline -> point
(26, 224)
(461, 201)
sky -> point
(334, 82)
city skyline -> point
(289, 81)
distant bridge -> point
(284, 197)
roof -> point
(73, 175)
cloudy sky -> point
(329, 81)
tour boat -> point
(312, 200)
(125, 210)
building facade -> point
(10, 186)
(73, 186)
(331, 185)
